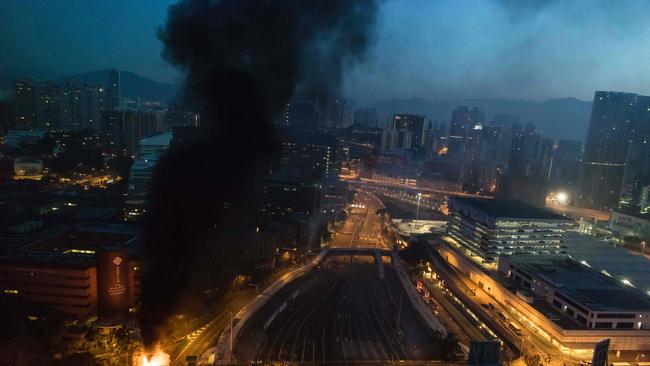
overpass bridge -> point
(377, 253)
(426, 315)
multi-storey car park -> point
(489, 228)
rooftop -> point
(583, 284)
(502, 208)
(75, 248)
(162, 139)
(607, 257)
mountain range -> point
(566, 118)
(133, 86)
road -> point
(381, 183)
(362, 227)
(576, 212)
(204, 335)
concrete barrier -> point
(418, 304)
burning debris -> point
(156, 358)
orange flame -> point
(157, 358)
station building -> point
(490, 228)
(569, 304)
(81, 272)
(577, 292)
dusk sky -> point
(438, 50)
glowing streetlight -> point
(561, 198)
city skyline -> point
(268, 209)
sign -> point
(485, 353)
(600, 353)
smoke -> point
(243, 61)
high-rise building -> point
(309, 155)
(50, 111)
(529, 153)
(121, 130)
(50, 106)
(180, 118)
(636, 177)
(26, 104)
(7, 116)
(412, 123)
(481, 164)
(617, 119)
(150, 150)
(87, 103)
(366, 116)
(114, 90)
(566, 164)
(462, 120)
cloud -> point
(512, 49)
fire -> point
(157, 358)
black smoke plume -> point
(243, 61)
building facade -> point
(490, 228)
(617, 120)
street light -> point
(399, 312)
(231, 316)
(417, 211)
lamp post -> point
(231, 316)
(399, 312)
(417, 211)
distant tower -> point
(26, 104)
(412, 123)
(617, 121)
(463, 120)
(113, 100)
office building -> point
(617, 119)
(493, 227)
